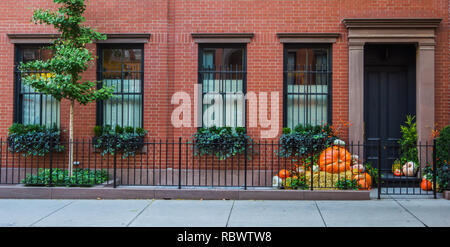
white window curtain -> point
(39, 108)
(124, 108)
(223, 103)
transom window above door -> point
(32, 107)
(121, 66)
(222, 74)
(307, 84)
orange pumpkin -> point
(335, 159)
(364, 179)
(364, 184)
(426, 185)
(284, 173)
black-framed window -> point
(223, 74)
(32, 107)
(121, 66)
(307, 84)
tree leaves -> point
(71, 57)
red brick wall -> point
(171, 54)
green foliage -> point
(71, 57)
(120, 140)
(305, 140)
(60, 177)
(373, 172)
(119, 129)
(443, 158)
(408, 142)
(34, 140)
(223, 142)
(347, 184)
(443, 177)
(443, 146)
(97, 130)
(297, 183)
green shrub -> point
(305, 140)
(60, 177)
(443, 146)
(223, 142)
(443, 158)
(408, 142)
(347, 184)
(295, 183)
(122, 140)
(32, 140)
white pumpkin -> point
(300, 169)
(277, 182)
(409, 168)
(316, 168)
(339, 142)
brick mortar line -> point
(407, 210)
(135, 217)
(39, 220)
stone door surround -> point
(420, 31)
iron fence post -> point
(115, 170)
(51, 163)
(179, 163)
(245, 165)
(434, 169)
(379, 169)
(312, 172)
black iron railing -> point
(176, 163)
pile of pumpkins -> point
(335, 159)
(409, 169)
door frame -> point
(420, 31)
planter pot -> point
(446, 194)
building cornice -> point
(392, 23)
(308, 37)
(34, 38)
(222, 37)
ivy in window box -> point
(222, 142)
(34, 140)
(126, 141)
(305, 140)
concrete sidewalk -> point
(189, 213)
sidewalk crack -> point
(404, 208)
(320, 213)
(135, 217)
(39, 220)
(231, 210)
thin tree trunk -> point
(72, 105)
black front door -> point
(389, 96)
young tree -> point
(71, 58)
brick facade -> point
(171, 55)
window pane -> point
(121, 68)
(222, 78)
(36, 108)
(307, 79)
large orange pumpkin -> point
(284, 173)
(426, 185)
(335, 159)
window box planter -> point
(127, 142)
(34, 140)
